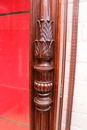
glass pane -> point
(14, 64)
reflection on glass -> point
(14, 64)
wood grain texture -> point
(45, 40)
(56, 7)
(31, 63)
(63, 64)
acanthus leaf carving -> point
(43, 52)
(44, 46)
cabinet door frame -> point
(56, 17)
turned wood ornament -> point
(43, 52)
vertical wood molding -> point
(75, 16)
(43, 69)
(64, 39)
(45, 40)
(43, 52)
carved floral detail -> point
(44, 46)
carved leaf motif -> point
(45, 30)
(37, 48)
(51, 47)
(44, 46)
(47, 49)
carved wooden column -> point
(43, 52)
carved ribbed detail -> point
(43, 87)
(43, 52)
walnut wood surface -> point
(63, 64)
(45, 50)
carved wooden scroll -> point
(43, 52)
